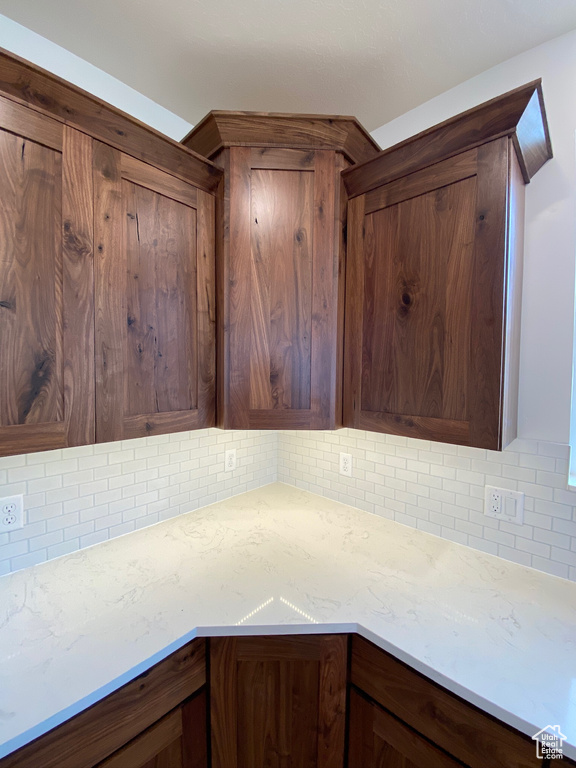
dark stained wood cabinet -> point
(158, 720)
(407, 719)
(155, 300)
(377, 739)
(107, 288)
(280, 262)
(434, 275)
(46, 282)
(300, 701)
(278, 701)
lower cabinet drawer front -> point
(473, 737)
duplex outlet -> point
(503, 504)
(346, 464)
(230, 460)
(11, 513)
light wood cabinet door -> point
(278, 701)
(154, 300)
(46, 282)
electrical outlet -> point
(346, 464)
(503, 504)
(230, 460)
(11, 513)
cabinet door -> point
(155, 319)
(278, 701)
(376, 739)
(426, 287)
(280, 298)
(176, 741)
(46, 280)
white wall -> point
(548, 291)
(27, 44)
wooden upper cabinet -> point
(434, 276)
(155, 300)
(46, 306)
(74, 169)
(280, 263)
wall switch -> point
(503, 504)
(346, 464)
(11, 513)
(230, 460)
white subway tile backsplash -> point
(77, 497)
(80, 496)
(447, 483)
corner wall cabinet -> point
(107, 293)
(434, 274)
(145, 290)
(280, 701)
(280, 258)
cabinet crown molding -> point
(520, 114)
(221, 129)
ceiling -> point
(374, 59)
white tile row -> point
(77, 497)
(439, 488)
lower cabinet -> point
(300, 701)
(158, 720)
(278, 701)
(377, 739)
(178, 740)
(429, 718)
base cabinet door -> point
(378, 740)
(278, 702)
(176, 741)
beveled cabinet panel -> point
(46, 339)
(154, 300)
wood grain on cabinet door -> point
(154, 300)
(379, 740)
(425, 302)
(282, 289)
(46, 279)
(278, 701)
(178, 740)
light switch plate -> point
(502, 504)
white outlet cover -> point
(503, 504)
(11, 513)
(230, 460)
(346, 464)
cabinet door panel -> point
(155, 300)
(425, 302)
(379, 740)
(46, 340)
(278, 702)
(281, 293)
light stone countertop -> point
(279, 560)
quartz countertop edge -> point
(280, 560)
